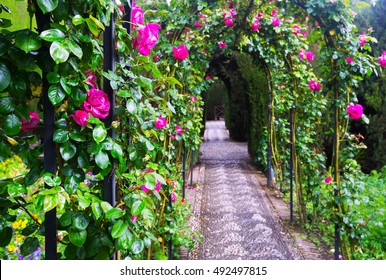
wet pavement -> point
(237, 219)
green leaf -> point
(137, 247)
(137, 208)
(61, 136)
(51, 180)
(56, 94)
(50, 202)
(47, 5)
(117, 151)
(29, 246)
(173, 81)
(7, 105)
(30, 229)
(99, 133)
(63, 83)
(146, 82)
(53, 35)
(83, 159)
(96, 209)
(66, 219)
(92, 26)
(150, 181)
(27, 40)
(125, 240)
(67, 150)
(78, 238)
(5, 236)
(131, 106)
(148, 216)
(32, 176)
(76, 20)
(75, 48)
(12, 124)
(106, 206)
(149, 145)
(58, 52)
(53, 77)
(102, 159)
(16, 189)
(119, 228)
(114, 213)
(78, 137)
(97, 22)
(5, 77)
(80, 221)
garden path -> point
(237, 220)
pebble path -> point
(237, 220)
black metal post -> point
(109, 191)
(170, 243)
(49, 160)
(291, 163)
(269, 150)
(183, 171)
(191, 169)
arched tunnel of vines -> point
(138, 130)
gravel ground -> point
(236, 218)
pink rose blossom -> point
(33, 122)
(273, 13)
(143, 187)
(179, 130)
(382, 59)
(275, 21)
(91, 81)
(305, 34)
(255, 26)
(193, 98)
(349, 59)
(229, 22)
(302, 54)
(233, 13)
(355, 112)
(296, 29)
(222, 44)
(80, 117)
(362, 39)
(156, 58)
(207, 77)
(160, 123)
(137, 14)
(197, 24)
(180, 52)
(328, 180)
(314, 85)
(158, 186)
(173, 197)
(133, 218)
(146, 38)
(121, 8)
(97, 103)
(259, 15)
(203, 51)
(310, 56)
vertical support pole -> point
(269, 148)
(109, 192)
(49, 161)
(183, 171)
(291, 163)
(170, 243)
(191, 169)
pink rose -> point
(382, 59)
(179, 130)
(328, 180)
(305, 34)
(156, 58)
(310, 56)
(133, 218)
(207, 77)
(97, 103)
(143, 187)
(229, 22)
(91, 81)
(137, 14)
(255, 26)
(275, 21)
(121, 8)
(173, 197)
(160, 123)
(80, 117)
(222, 44)
(197, 24)
(355, 111)
(259, 15)
(296, 29)
(362, 39)
(349, 59)
(146, 38)
(314, 85)
(193, 99)
(274, 13)
(180, 52)
(302, 54)
(233, 13)
(33, 122)
(158, 186)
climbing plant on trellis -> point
(118, 84)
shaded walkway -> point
(237, 219)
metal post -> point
(191, 169)
(49, 161)
(291, 163)
(183, 172)
(109, 65)
(269, 150)
(170, 243)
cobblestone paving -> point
(237, 219)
